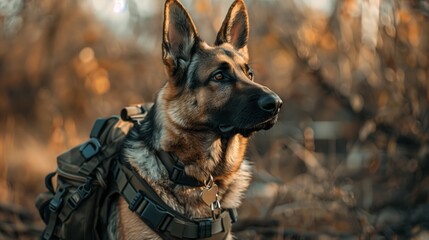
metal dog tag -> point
(209, 195)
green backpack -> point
(91, 176)
(84, 182)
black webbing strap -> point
(92, 148)
(73, 201)
(164, 220)
(88, 167)
(55, 207)
(176, 170)
(48, 182)
(48, 233)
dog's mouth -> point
(229, 130)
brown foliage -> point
(347, 159)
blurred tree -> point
(352, 144)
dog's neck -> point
(205, 155)
(203, 152)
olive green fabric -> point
(77, 208)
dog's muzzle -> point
(268, 106)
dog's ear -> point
(235, 28)
(179, 37)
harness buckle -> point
(156, 216)
(165, 222)
(57, 201)
(90, 148)
(204, 229)
(176, 173)
(81, 193)
(138, 198)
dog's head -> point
(212, 87)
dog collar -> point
(160, 217)
(176, 170)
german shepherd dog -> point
(203, 114)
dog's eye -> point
(218, 76)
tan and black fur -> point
(204, 114)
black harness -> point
(176, 170)
(163, 219)
(151, 209)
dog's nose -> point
(270, 103)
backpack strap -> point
(91, 150)
(55, 207)
(163, 219)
